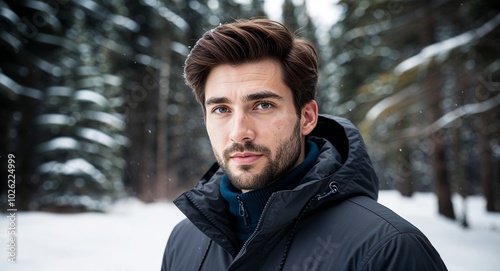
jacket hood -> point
(356, 175)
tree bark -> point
(405, 173)
(438, 157)
(433, 84)
(486, 169)
(161, 181)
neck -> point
(247, 206)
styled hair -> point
(245, 41)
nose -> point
(242, 129)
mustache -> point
(247, 146)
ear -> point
(309, 117)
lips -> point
(245, 158)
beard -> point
(287, 155)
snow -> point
(132, 235)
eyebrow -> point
(250, 97)
(216, 100)
(262, 95)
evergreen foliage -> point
(94, 106)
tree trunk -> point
(438, 158)
(405, 173)
(496, 175)
(161, 181)
(142, 127)
(486, 169)
(433, 84)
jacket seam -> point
(382, 243)
(388, 222)
(204, 257)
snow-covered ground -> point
(132, 236)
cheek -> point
(212, 137)
(283, 126)
(216, 138)
(277, 133)
(211, 129)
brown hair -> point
(252, 40)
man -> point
(291, 190)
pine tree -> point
(400, 68)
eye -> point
(264, 106)
(220, 110)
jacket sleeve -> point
(166, 262)
(406, 251)
(172, 247)
(186, 248)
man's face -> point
(255, 132)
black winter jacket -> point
(330, 222)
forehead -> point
(269, 67)
(226, 79)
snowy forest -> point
(94, 108)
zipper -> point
(333, 189)
(234, 243)
(243, 248)
(243, 211)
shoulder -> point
(399, 243)
(185, 235)
(185, 239)
(396, 243)
(363, 213)
(361, 234)
(378, 214)
(184, 227)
